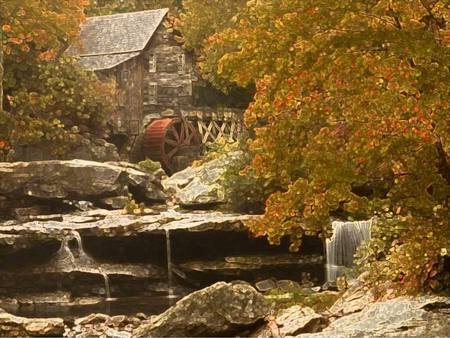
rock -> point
(353, 300)
(260, 266)
(297, 319)
(111, 333)
(93, 318)
(76, 179)
(24, 214)
(266, 285)
(87, 148)
(109, 223)
(254, 262)
(118, 202)
(292, 321)
(44, 327)
(42, 218)
(420, 316)
(141, 316)
(117, 320)
(219, 310)
(201, 185)
(12, 326)
(287, 285)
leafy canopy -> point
(49, 100)
(351, 117)
(107, 7)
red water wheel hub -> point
(169, 139)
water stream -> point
(341, 247)
(65, 257)
(107, 285)
(169, 265)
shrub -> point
(149, 166)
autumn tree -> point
(351, 118)
(48, 98)
(201, 19)
(39, 27)
(107, 7)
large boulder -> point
(409, 317)
(75, 179)
(201, 185)
(220, 310)
(12, 326)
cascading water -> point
(341, 247)
(65, 258)
(82, 255)
(169, 266)
(107, 285)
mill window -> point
(125, 76)
(150, 93)
(152, 63)
(181, 63)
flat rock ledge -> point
(105, 223)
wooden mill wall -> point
(167, 74)
(158, 79)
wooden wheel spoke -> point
(172, 153)
(182, 133)
(175, 133)
(186, 131)
(189, 138)
(171, 142)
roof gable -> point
(118, 33)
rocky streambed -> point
(68, 249)
(74, 263)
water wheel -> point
(172, 141)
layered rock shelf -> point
(65, 232)
(106, 223)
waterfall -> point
(107, 285)
(82, 255)
(341, 247)
(77, 236)
(169, 265)
(65, 258)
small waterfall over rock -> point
(107, 285)
(66, 260)
(341, 247)
(169, 265)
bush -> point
(407, 255)
(149, 166)
(55, 103)
(245, 192)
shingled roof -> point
(107, 41)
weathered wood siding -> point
(167, 74)
(160, 78)
(129, 78)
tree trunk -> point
(2, 71)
